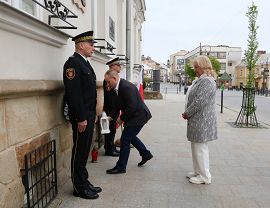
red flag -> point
(140, 84)
(141, 91)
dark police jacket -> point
(80, 88)
(129, 101)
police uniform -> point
(81, 95)
(109, 108)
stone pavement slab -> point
(239, 163)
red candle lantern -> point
(94, 154)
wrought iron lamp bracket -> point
(105, 46)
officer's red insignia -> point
(70, 73)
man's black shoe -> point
(112, 154)
(115, 171)
(86, 194)
(94, 188)
(145, 159)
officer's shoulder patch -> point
(70, 73)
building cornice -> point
(100, 57)
(19, 22)
(25, 88)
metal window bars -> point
(40, 179)
(105, 45)
(123, 58)
(58, 10)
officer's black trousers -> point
(109, 138)
(80, 153)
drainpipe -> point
(128, 38)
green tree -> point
(190, 71)
(146, 82)
(251, 58)
(215, 64)
(251, 55)
(247, 114)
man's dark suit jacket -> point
(109, 102)
(129, 101)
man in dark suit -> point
(80, 94)
(109, 103)
(135, 115)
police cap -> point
(84, 37)
(115, 61)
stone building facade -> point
(176, 64)
(262, 68)
(31, 89)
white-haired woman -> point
(201, 118)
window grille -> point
(40, 179)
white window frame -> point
(16, 4)
(6, 1)
(15, 20)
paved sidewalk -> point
(239, 162)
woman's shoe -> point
(191, 174)
(199, 180)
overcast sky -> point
(173, 25)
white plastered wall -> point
(23, 57)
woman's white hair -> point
(204, 63)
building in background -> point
(229, 58)
(164, 72)
(150, 65)
(35, 44)
(262, 80)
(147, 71)
(262, 67)
(176, 64)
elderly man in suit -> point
(135, 114)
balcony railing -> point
(123, 58)
(58, 10)
(104, 47)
